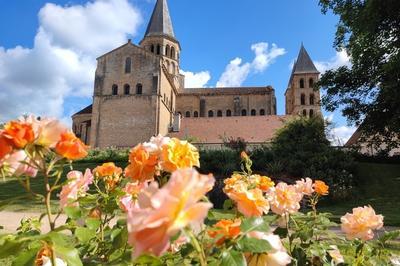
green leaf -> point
(148, 261)
(73, 212)
(228, 204)
(233, 258)
(8, 246)
(26, 257)
(69, 255)
(254, 245)
(254, 224)
(93, 223)
(84, 234)
(220, 214)
(387, 236)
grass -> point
(12, 192)
(378, 185)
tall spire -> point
(160, 23)
(304, 64)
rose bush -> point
(155, 211)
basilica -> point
(139, 92)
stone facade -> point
(139, 93)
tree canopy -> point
(367, 92)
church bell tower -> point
(302, 98)
(160, 38)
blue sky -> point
(212, 34)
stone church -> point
(139, 92)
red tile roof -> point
(253, 129)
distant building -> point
(363, 147)
(139, 92)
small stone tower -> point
(160, 40)
(302, 98)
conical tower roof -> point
(304, 64)
(160, 23)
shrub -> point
(302, 147)
(219, 162)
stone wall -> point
(294, 92)
(125, 119)
(224, 101)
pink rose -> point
(305, 186)
(361, 223)
(161, 213)
(76, 187)
(18, 163)
(285, 199)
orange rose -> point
(321, 188)
(71, 147)
(19, 133)
(142, 164)
(225, 229)
(107, 169)
(177, 154)
(250, 202)
(5, 146)
(263, 182)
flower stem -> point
(197, 247)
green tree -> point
(368, 92)
(302, 148)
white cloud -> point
(340, 135)
(196, 80)
(265, 57)
(236, 72)
(340, 59)
(62, 60)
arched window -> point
(228, 112)
(187, 114)
(311, 113)
(167, 50)
(210, 113)
(173, 52)
(127, 89)
(158, 49)
(304, 112)
(262, 112)
(301, 83)
(312, 99)
(196, 114)
(311, 83)
(219, 113)
(152, 48)
(128, 65)
(244, 112)
(139, 88)
(114, 89)
(303, 99)
(253, 112)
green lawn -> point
(378, 186)
(11, 188)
